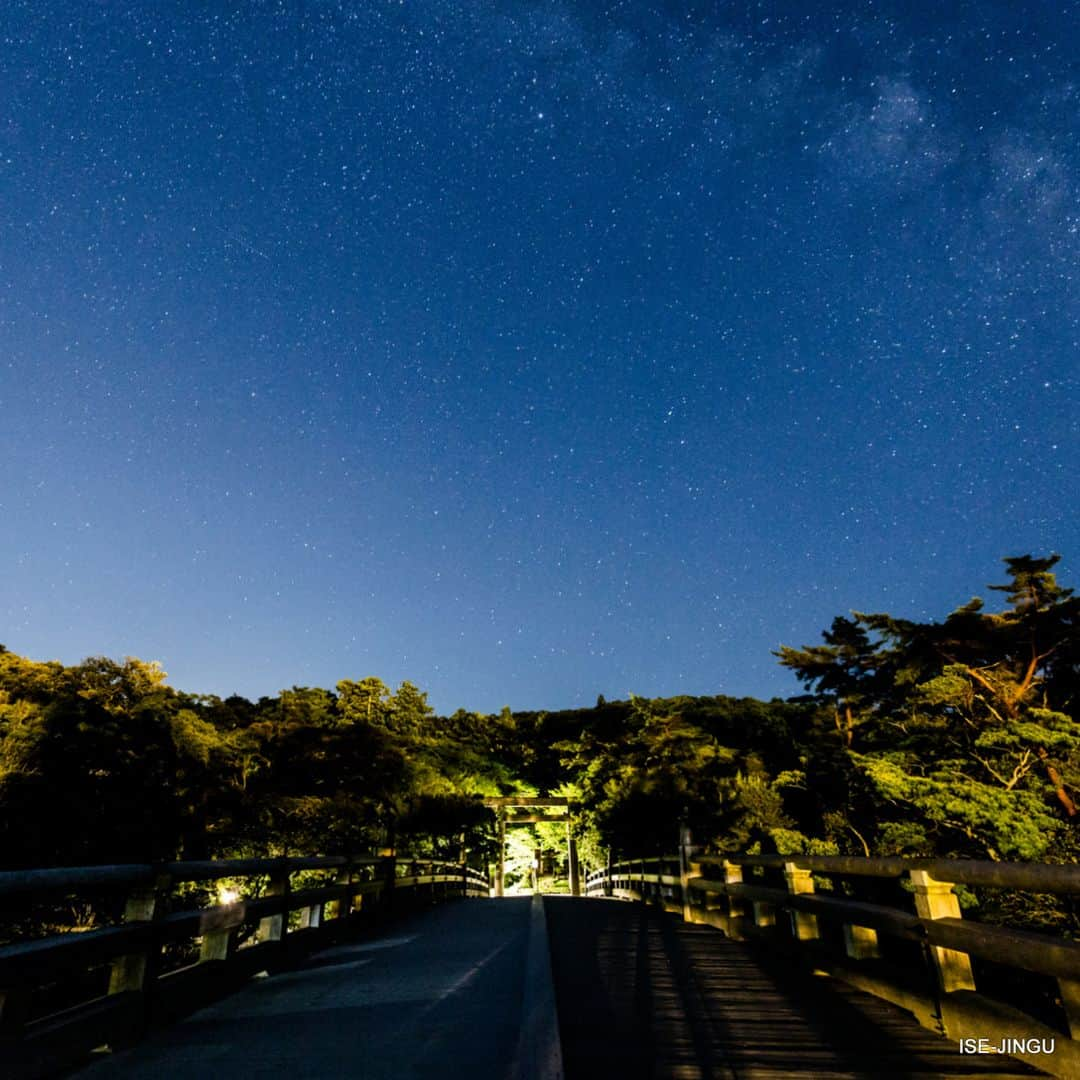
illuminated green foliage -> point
(957, 737)
(962, 728)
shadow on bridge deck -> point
(643, 994)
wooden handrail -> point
(15, 882)
(723, 891)
(40, 881)
(1016, 948)
(32, 1046)
(1027, 877)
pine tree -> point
(965, 732)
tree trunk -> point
(1059, 785)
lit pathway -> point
(466, 990)
(438, 996)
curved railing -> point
(811, 905)
(63, 995)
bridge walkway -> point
(437, 996)
(448, 992)
(641, 994)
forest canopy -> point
(958, 738)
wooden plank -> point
(643, 994)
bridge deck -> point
(439, 995)
(639, 994)
(643, 994)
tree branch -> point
(1059, 785)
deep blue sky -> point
(527, 351)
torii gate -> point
(501, 805)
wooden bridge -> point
(717, 967)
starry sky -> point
(527, 351)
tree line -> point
(104, 762)
(956, 737)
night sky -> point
(527, 351)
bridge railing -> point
(172, 948)
(656, 879)
(892, 927)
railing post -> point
(609, 885)
(311, 917)
(345, 901)
(217, 945)
(800, 882)
(722, 909)
(861, 942)
(136, 971)
(275, 927)
(764, 913)
(936, 900)
(685, 851)
(736, 906)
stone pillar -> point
(936, 900)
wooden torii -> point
(528, 802)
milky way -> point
(527, 351)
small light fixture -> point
(227, 895)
